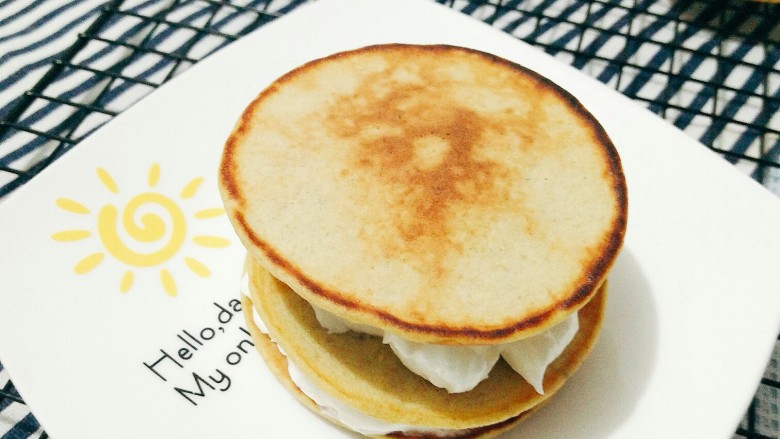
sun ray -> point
(210, 241)
(107, 180)
(191, 188)
(169, 285)
(72, 206)
(197, 267)
(71, 235)
(209, 213)
(154, 175)
(88, 263)
(127, 282)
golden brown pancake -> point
(364, 373)
(436, 192)
(277, 363)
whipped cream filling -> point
(348, 416)
(443, 364)
(461, 368)
(337, 410)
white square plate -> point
(692, 316)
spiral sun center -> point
(152, 230)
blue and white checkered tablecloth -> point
(664, 61)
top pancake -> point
(437, 192)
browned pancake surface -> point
(434, 191)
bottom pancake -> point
(277, 362)
(365, 374)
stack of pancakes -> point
(436, 194)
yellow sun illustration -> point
(149, 219)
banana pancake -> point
(362, 372)
(435, 192)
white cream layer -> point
(461, 368)
(530, 356)
(339, 411)
(331, 407)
